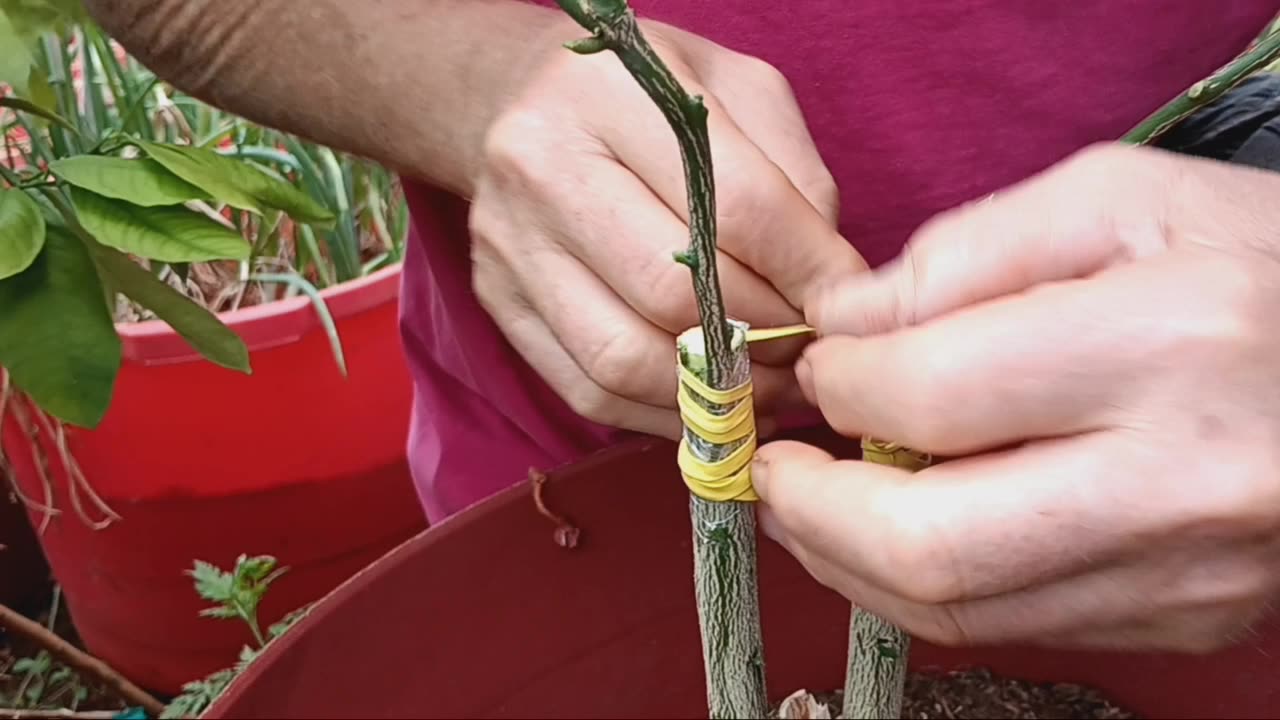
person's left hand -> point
(1097, 343)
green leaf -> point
(142, 182)
(211, 582)
(15, 56)
(35, 17)
(42, 93)
(255, 568)
(199, 327)
(237, 183)
(221, 612)
(168, 234)
(39, 109)
(56, 337)
(287, 622)
(22, 231)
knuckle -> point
(943, 628)
(516, 145)
(610, 365)
(765, 75)
(669, 303)
(1116, 162)
(591, 402)
(825, 192)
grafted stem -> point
(725, 577)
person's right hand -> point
(581, 201)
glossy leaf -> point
(22, 232)
(57, 339)
(168, 234)
(199, 327)
(142, 181)
(15, 57)
(237, 183)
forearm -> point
(410, 83)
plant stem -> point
(877, 669)
(614, 27)
(724, 532)
(88, 666)
(1263, 53)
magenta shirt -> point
(916, 106)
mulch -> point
(977, 693)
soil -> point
(976, 693)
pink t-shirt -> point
(915, 105)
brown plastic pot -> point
(485, 616)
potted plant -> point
(577, 637)
(609, 628)
(199, 338)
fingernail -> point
(804, 375)
(760, 475)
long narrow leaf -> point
(199, 327)
(322, 311)
(21, 105)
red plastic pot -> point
(485, 616)
(205, 463)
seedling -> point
(238, 593)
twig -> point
(88, 666)
(15, 714)
(724, 529)
(566, 534)
(1262, 53)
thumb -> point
(779, 472)
(1066, 223)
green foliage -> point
(45, 683)
(236, 183)
(238, 593)
(140, 181)
(167, 234)
(135, 172)
(21, 232)
(56, 337)
(198, 326)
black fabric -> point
(1242, 126)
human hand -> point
(1096, 342)
(581, 203)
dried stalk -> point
(724, 532)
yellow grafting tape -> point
(730, 477)
(895, 455)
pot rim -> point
(281, 322)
